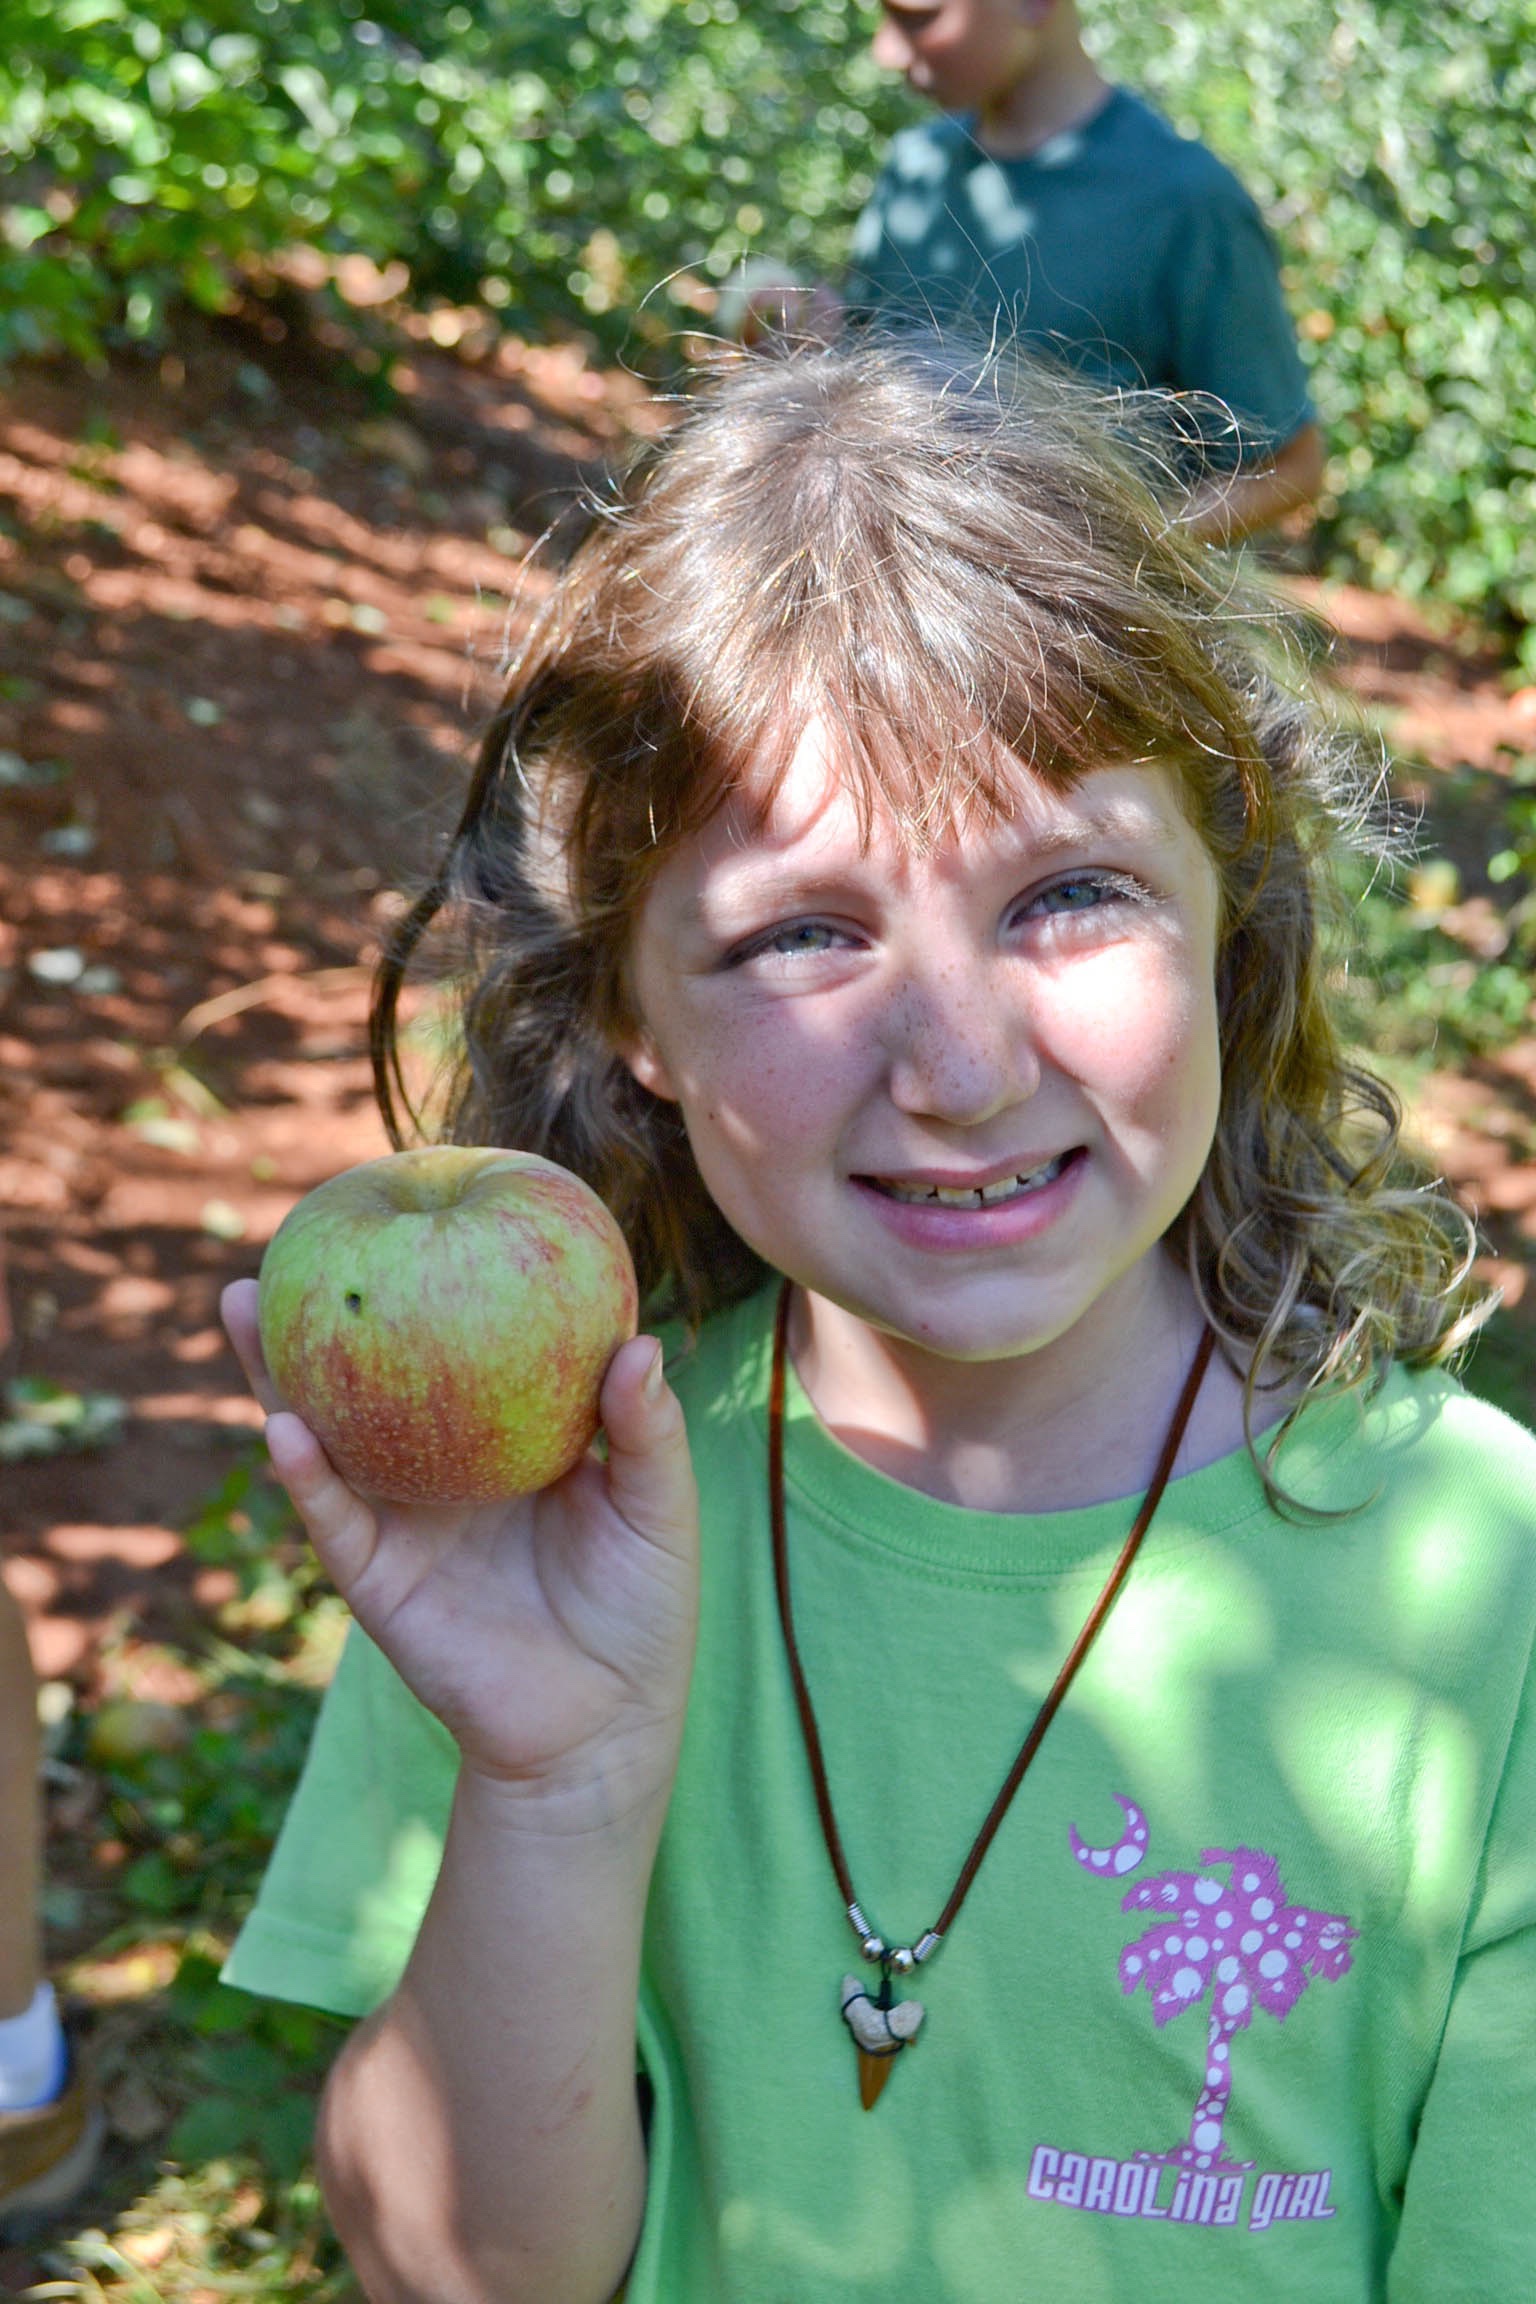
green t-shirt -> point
(1243, 2000)
(1126, 251)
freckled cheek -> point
(1149, 1055)
(765, 1080)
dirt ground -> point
(247, 631)
(248, 626)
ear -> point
(644, 1060)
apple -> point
(442, 1320)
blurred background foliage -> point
(559, 163)
(601, 164)
(1393, 148)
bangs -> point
(933, 694)
(952, 586)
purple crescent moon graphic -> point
(1127, 1851)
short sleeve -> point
(1468, 2233)
(1231, 333)
(357, 1857)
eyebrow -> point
(1124, 819)
(1132, 822)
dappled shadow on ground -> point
(1439, 690)
(249, 622)
(248, 628)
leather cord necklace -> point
(881, 2024)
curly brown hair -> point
(960, 571)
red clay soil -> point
(254, 625)
(247, 631)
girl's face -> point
(959, 1095)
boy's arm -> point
(1233, 348)
(1238, 504)
(783, 313)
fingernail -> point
(651, 1381)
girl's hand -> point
(551, 1634)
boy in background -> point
(1047, 207)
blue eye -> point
(796, 940)
(1072, 895)
(800, 936)
(1086, 892)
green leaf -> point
(24, 226)
(284, 2132)
(214, 2128)
(72, 16)
(152, 1885)
(241, 2066)
(46, 1419)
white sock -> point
(33, 2056)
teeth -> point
(979, 1196)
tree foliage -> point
(1394, 149)
(561, 163)
(594, 162)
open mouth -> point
(997, 1195)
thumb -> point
(650, 1472)
(341, 1527)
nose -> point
(959, 1049)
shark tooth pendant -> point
(881, 2028)
(881, 2024)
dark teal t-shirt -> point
(1120, 248)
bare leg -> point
(20, 1818)
(50, 2121)
(20, 1825)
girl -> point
(1053, 1805)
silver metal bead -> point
(873, 1946)
(904, 1961)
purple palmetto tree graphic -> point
(1240, 1939)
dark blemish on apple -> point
(352, 1300)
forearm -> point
(480, 2139)
(1225, 511)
